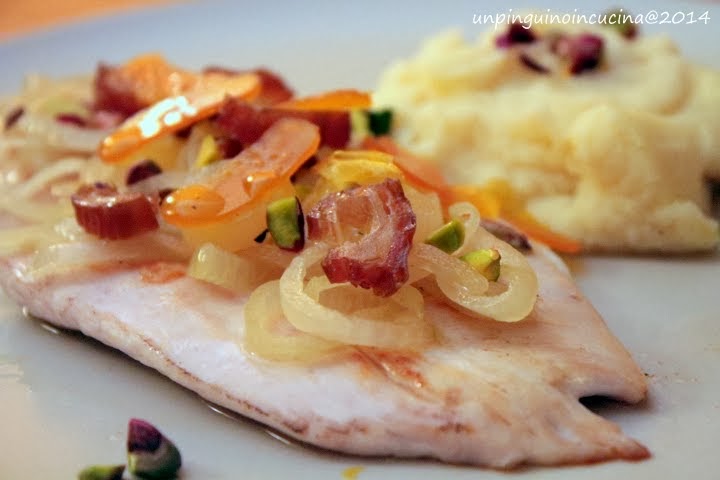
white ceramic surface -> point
(65, 399)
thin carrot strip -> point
(536, 230)
(334, 100)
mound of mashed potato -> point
(615, 157)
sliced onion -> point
(36, 211)
(521, 282)
(62, 135)
(51, 173)
(457, 279)
(464, 286)
(427, 209)
(467, 214)
(268, 334)
(71, 257)
(162, 181)
(236, 273)
(398, 322)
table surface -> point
(26, 16)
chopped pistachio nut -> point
(208, 152)
(486, 261)
(102, 472)
(286, 223)
(449, 237)
(150, 453)
(380, 121)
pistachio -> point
(150, 453)
(286, 223)
(380, 121)
(102, 472)
(486, 261)
(449, 237)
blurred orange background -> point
(24, 16)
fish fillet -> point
(489, 394)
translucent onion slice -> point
(236, 273)
(516, 274)
(36, 211)
(457, 279)
(162, 181)
(72, 257)
(468, 215)
(61, 135)
(269, 335)
(40, 181)
(470, 290)
(395, 322)
(427, 209)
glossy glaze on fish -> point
(490, 393)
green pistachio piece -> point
(380, 121)
(449, 237)
(150, 454)
(286, 223)
(486, 261)
(102, 472)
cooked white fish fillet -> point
(490, 393)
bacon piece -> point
(244, 122)
(372, 227)
(273, 88)
(515, 34)
(114, 92)
(106, 213)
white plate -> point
(65, 400)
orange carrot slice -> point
(526, 223)
(177, 112)
(334, 100)
(243, 182)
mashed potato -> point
(614, 157)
